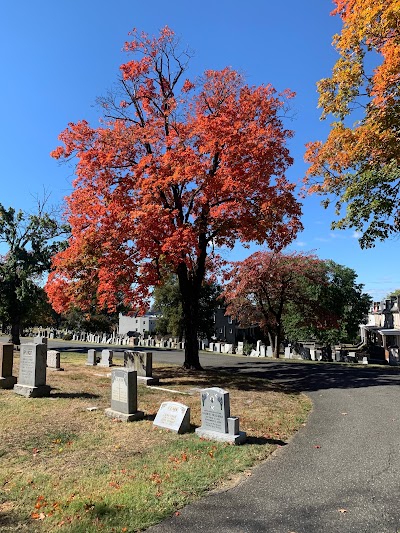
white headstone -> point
(32, 371)
(53, 360)
(174, 416)
(106, 358)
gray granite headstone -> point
(7, 380)
(216, 421)
(106, 358)
(142, 362)
(174, 416)
(124, 395)
(91, 360)
(40, 340)
(53, 360)
(32, 371)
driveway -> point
(340, 473)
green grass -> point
(65, 468)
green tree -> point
(168, 302)
(94, 322)
(337, 307)
(392, 294)
(30, 241)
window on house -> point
(220, 330)
(229, 320)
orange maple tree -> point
(176, 169)
(359, 161)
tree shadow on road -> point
(303, 377)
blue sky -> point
(57, 57)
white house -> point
(137, 324)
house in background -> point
(137, 324)
(383, 328)
(227, 329)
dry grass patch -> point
(65, 467)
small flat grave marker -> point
(124, 395)
(216, 421)
(174, 416)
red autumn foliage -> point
(176, 169)
(261, 287)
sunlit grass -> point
(65, 467)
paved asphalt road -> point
(339, 474)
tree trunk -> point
(276, 346)
(190, 282)
(190, 297)
(271, 340)
(190, 316)
(15, 329)
(278, 338)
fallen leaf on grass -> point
(38, 516)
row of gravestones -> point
(216, 421)
(217, 424)
(34, 360)
(142, 362)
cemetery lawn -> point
(64, 467)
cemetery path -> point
(340, 473)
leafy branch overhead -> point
(359, 161)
